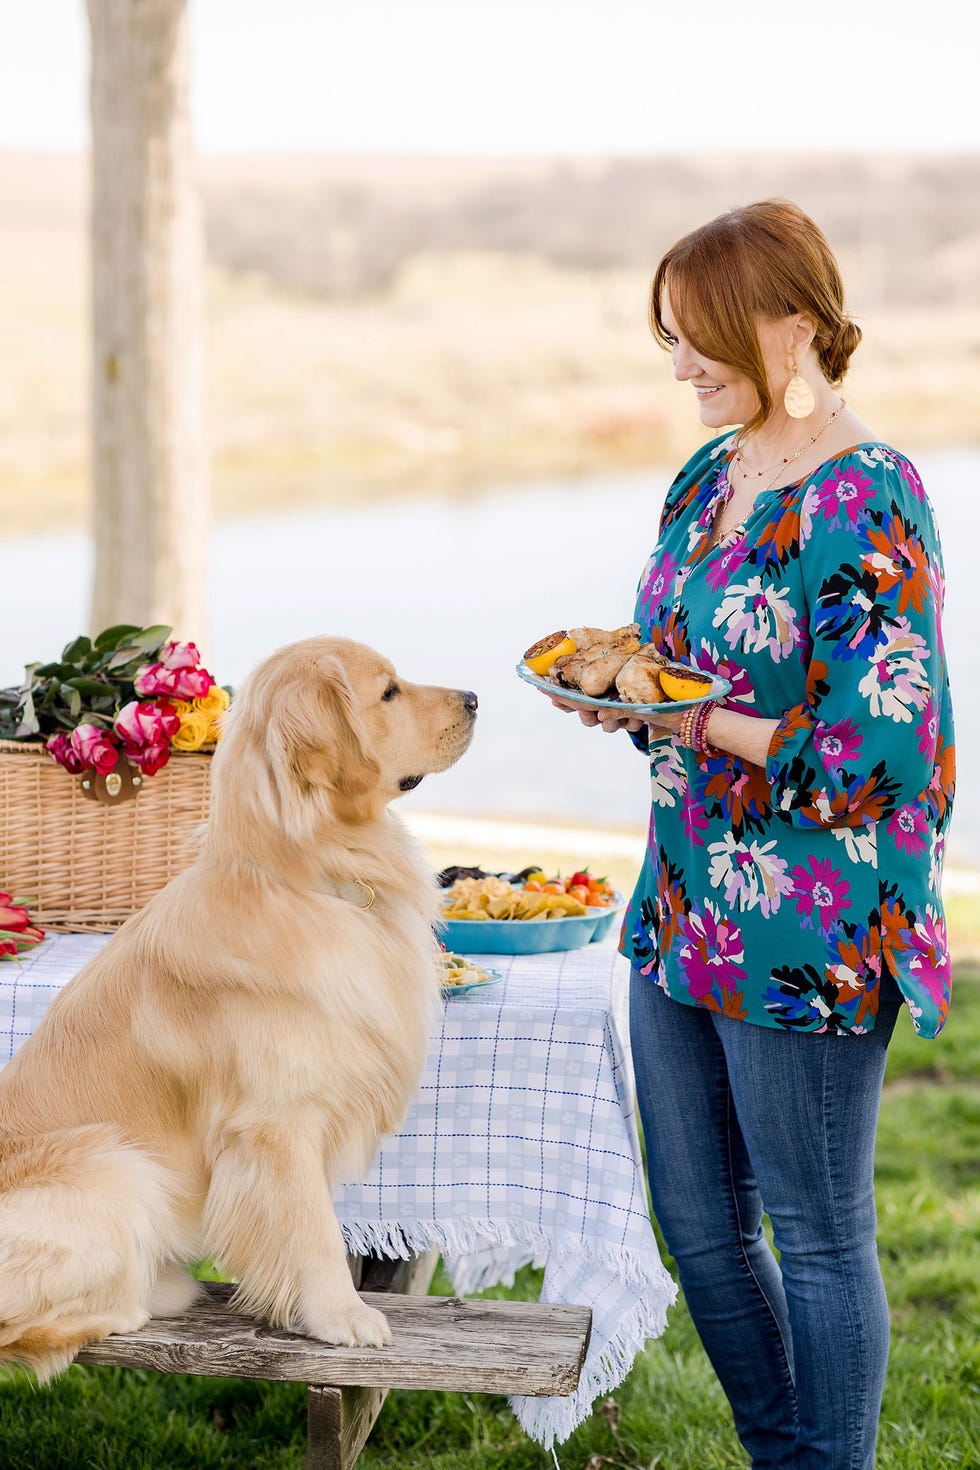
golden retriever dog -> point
(242, 1043)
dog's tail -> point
(86, 1220)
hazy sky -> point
(530, 76)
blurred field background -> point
(383, 326)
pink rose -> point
(59, 747)
(179, 655)
(145, 731)
(95, 747)
(178, 683)
(145, 724)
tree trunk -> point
(151, 501)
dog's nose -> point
(470, 701)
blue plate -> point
(719, 688)
(527, 936)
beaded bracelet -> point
(699, 729)
(686, 726)
(694, 725)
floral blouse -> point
(781, 895)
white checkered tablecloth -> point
(521, 1147)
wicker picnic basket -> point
(85, 867)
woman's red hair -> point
(761, 262)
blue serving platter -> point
(719, 688)
(528, 936)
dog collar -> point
(353, 890)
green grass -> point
(670, 1413)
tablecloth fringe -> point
(505, 1246)
(523, 1244)
(550, 1421)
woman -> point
(790, 896)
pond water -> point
(453, 593)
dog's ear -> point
(323, 746)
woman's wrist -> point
(746, 736)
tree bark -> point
(151, 493)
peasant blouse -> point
(782, 895)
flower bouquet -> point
(130, 694)
(129, 712)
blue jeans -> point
(739, 1119)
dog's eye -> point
(391, 691)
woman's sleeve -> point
(865, 741)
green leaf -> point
(29, 720)
(72, 652)
(127, 655)
(86, 685)
(150, 639)
(111, 638)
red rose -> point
(152, 757)
(59, 747)
(95, 747)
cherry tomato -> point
(579, 891)
(579, 879)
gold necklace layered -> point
(721, 531)
(740, 460)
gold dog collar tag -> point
(109, 788)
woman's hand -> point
(607, 718)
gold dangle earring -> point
(798, 400)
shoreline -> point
(446, 829)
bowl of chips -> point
(492, 915)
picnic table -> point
(521, 1147)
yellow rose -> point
(214, 703)
(193, 732)
(181, 707)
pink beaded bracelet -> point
(699, 729)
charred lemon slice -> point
(679, 682)
(541, 655)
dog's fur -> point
(242, 1043)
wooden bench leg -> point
(339, 1420)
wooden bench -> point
(449, 1343)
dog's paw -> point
(173, 1292)
(354, 1326)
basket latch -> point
(109, 788)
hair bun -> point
(835, 357)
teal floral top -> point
(781, 895)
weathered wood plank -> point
(438, 1342)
